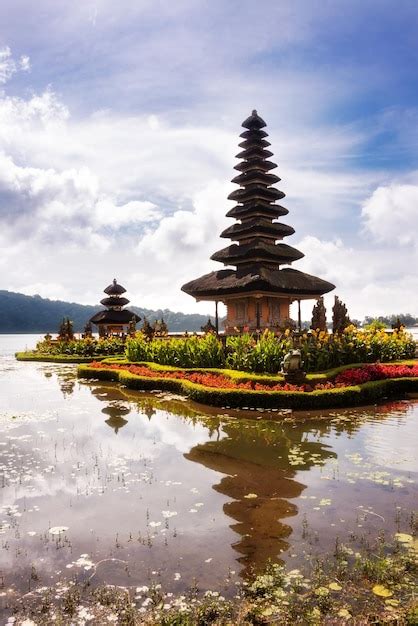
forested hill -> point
(33, 314)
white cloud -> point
(371, 280)
(134, 212)
(143, 196)
(390, 214)
(8, 66)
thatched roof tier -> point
(257, 228)
(256, 192)
(254, 151)
(255, 164)
(114, 301)
(254, 121)
(258, 250)
(257, 209)
(115, 317)
(287, 282)
(253, 177)
(254, 140)
(114, 289)
(249, 134)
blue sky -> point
(119, 124)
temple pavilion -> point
(259, 291)
(115, 320)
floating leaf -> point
(344, 613)
(404, 538)
(57, 530)
(321, 591)
(335, 586)
(382, 591)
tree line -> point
(32, 314)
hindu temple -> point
(115, 319)
(259, 290)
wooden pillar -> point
(216, 318)
(257, 313)
(299, 317)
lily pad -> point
(404, 538)
(335, 586)
(382, 591)
(57, 530)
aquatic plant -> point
(376, 585)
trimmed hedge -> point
(368, 393)
(243, 377)
(56, 358)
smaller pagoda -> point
(115, 320)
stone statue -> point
(292, 367)
(319, 316)
(340, 319)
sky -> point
(120, 122)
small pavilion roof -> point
(114, 301)
(114, 289)
(114, 317)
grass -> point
(56, 358)
(375, 586)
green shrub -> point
(320, 350)
(88, 347)
(190, 351)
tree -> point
(340, 319)
(319, 316)
(375, 324)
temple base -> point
(256, 314)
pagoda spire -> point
(256, 232)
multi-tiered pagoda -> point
(259, 291)
(115, 320)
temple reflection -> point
(116, 414)
(259, 459)
(247, 453)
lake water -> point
(123, 488)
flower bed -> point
(347, 378)
(207, 379)
(217, 388)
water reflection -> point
(254, 457)
(170, 486)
